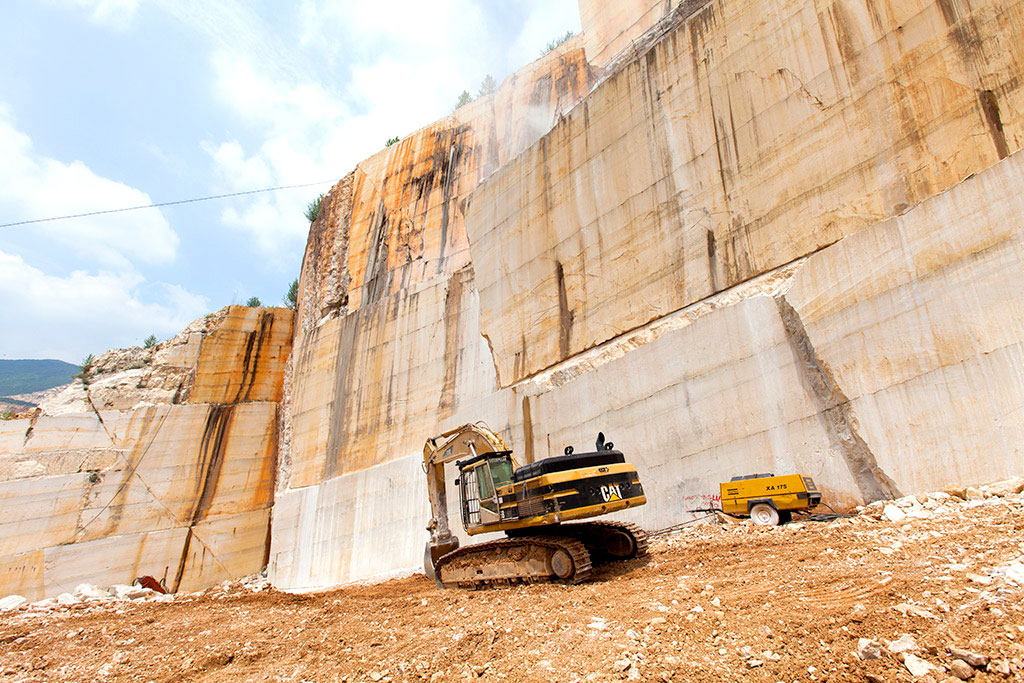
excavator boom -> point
(466, 441)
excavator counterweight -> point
(533, 505)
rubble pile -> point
(932, 594)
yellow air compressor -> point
(767, 499)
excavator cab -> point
(480, 479)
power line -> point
(162, 204)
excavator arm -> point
(455, 444)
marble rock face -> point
(388, 349)
(735, 236)
(162, 464)
(769, 237)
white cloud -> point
(395, 67)
(115, 14)
(104, 301)
(71, 316)
(33, 186)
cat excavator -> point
(531, 504)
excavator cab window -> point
(501, 470)
(479, 484)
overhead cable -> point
(162, 204)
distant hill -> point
(29, 376)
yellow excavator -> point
(531, 505)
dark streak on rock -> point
(712, 265)
(990, 106)
(339, 418)
(452, 333)
(250, 362)
(449, 148)
(377, 274)
(32, 425)
(181, 561)
(835, 411)
(267, 538)
(949, 13)
(527, 431)
(211, 458)
(212, 447)
(565, 316)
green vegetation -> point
(391, 141)
(86, 369)
(488, 87)
(464, 99)
(30, 376)
(313, 210)
(291, 297)
(569, 35)
(150, 342)
(7, 414)
(254, 302)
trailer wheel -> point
(764, 515)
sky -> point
(107, 104)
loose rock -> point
(11, 602)
(961, 669)
(868, 649)
(917, 666)
(971, 658)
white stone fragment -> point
(88, 591)
(868, 649)
(917, 666)
(905, 643)
(68, 599)
(11, 602)
(893, 513)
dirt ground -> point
(710, 603)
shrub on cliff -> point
(569, 35)
(254, 302)
(488, 87)
(313, 210)
(150, 342)
(291, 297)
(86, 369)
(464, 99)
(391, 141)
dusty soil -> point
(710, 603)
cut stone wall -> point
(162, 465)
(774, 237)
(747, 137)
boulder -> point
(956, 491)
(893, 513)
(905, 643)
(961, 669)
(11, 602)
(917, 666)
(1007, 487)
(971, 658)
(868, 649)
(87, 591)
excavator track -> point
(605, 541)
(525, 559)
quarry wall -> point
(734, 236)
(753, 246)
(163, 464)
